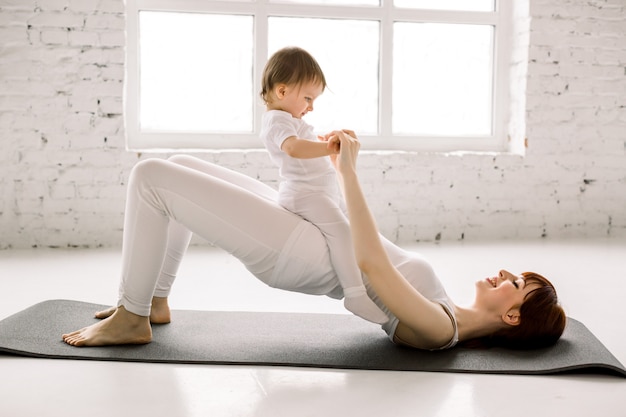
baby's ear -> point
(280, 90)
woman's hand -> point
(334, 140)
(349, 147)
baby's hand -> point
(332, 141)
(333, 144)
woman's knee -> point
(182, 159)
(143, 170)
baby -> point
(292, 80)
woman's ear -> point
(512, 317)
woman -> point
(168, 199)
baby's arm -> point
(306, 149)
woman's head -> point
(536, 320)
(293, 67)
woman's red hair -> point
(542, 319)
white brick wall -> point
(64, 166)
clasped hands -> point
(344, 146)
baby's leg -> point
(321, 210)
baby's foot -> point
(357, 301)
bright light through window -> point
(350, 67)
(191, 79)
(332, 2)
(474, 5)
(442, 77)
(404, 74)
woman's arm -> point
(423, 324)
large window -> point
(404, 74)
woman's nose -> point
(504, 275)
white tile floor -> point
(590, 276)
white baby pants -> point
(323, 205)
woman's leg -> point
(179, 236)
(224, 214)
(228, 175)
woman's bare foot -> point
(121, 328)
(159, 313)
(105, 313)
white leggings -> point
(169, 199)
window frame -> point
(501, 18)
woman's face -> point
(502, 294)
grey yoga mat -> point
(286, 339)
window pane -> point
(347, 51)
(190, 78)
(333, 2)
(442, 79)
(464, 5)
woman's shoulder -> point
(441, 334)
(421, 275)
